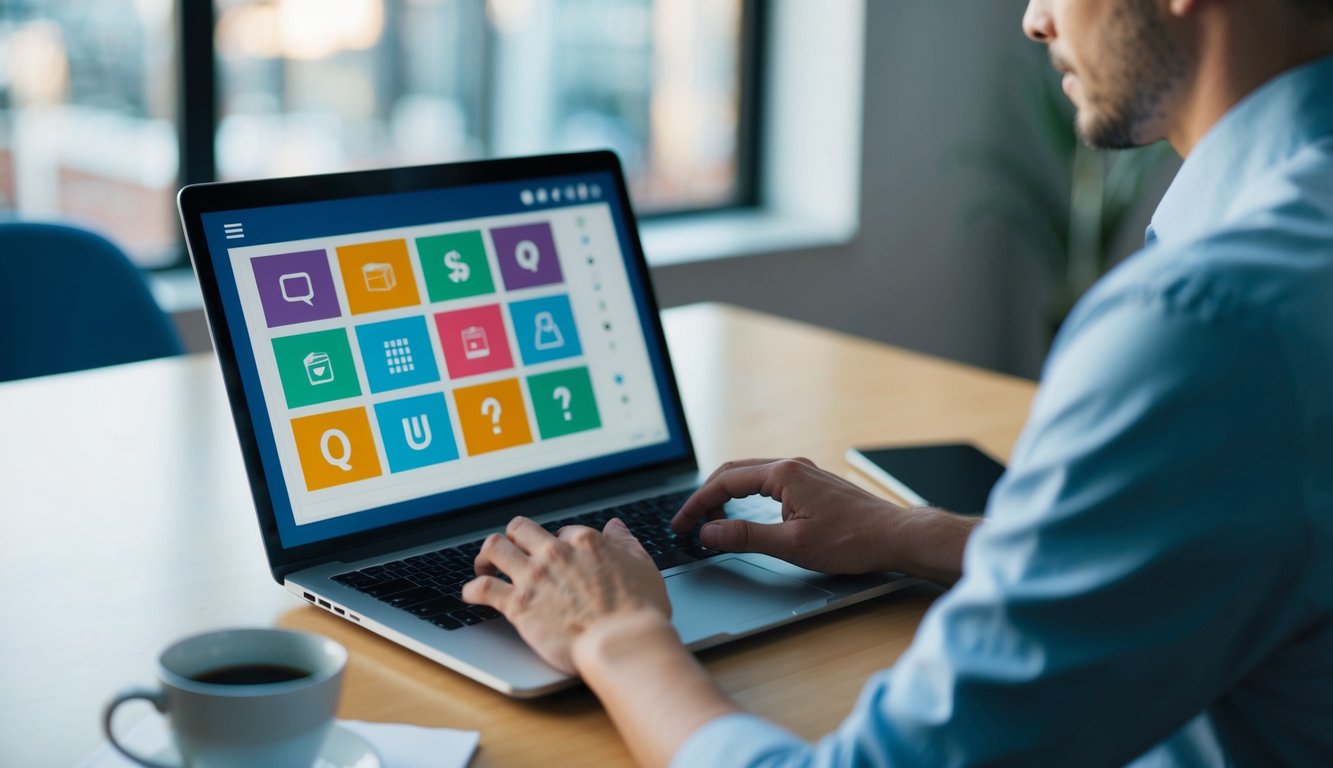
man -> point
(1154, 578)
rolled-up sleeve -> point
(1132, 568)
(738, 739)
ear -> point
(1183, 8)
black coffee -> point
(251, 674)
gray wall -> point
(939, 74)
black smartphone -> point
(956, 476)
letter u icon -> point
(417, 431)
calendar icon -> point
(475, 345)
(398, 356)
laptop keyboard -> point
(429, 586)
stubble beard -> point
(1143, 67)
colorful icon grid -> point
(441, 344)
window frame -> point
(198, 90)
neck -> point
(1240, 47)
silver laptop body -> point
(391, 403)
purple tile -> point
(295, 287)
(527, 255)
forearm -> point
(655, 692)
(929, 544)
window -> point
(89, 120)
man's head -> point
(1133, 67)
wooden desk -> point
(127, 523)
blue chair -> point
(69, 300)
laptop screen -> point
(406, 355)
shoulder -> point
(1210, 359)
(1265, 275)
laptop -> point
(415, 356)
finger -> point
(693, 510)
(499, 553)
(689, 515)
(488, 590)
(529, 536)
(618, 533)
(744, 536)
(738, 463)
(734, 482)
(573, 532)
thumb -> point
(744, 536)
(618, 532)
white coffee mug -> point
(243, 697)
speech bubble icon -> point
(527, 255)
(345, 449)
(296, 286)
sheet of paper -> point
(398, 746)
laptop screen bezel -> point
(195, 201)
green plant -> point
(1069, 218)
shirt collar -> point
(1269, 125)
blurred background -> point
(902, 170)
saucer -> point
(342, 749)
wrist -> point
(621, 635)
(928, 542)
(654, 690)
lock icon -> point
(548, 333)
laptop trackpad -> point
(729, 595)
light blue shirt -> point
(1154, 580)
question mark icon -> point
(563, 395)
(491, 407)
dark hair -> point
(1317, 8)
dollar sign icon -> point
(458, 271)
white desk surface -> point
(127, 522)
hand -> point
(827, 525)
(570, 588)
